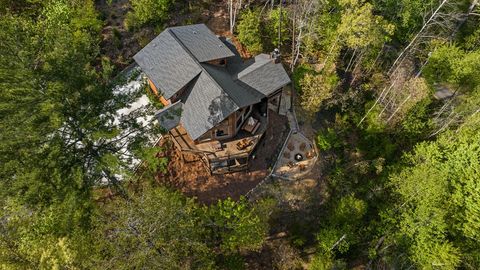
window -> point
(231, 162)
(274, 100)
(242, 161)
(221, 132)
(239, 121)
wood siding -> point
(155, 91)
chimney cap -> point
(276, 56)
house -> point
(216, 105)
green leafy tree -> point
(315, 89)
(250, 31)
(450, 64)
(55, 237)
(56, 113)
(360, 27)
(238, 226)
(437, 203)
(157, 229)
(407, 15)
(276, 21)
(148, 12)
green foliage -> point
(273, 24)
(48, 238)
(417, 123)
(154, 100)
(316, 89)
(148, 12)
(359, 26)
(450, 64)
(321, 261)
(328, 139)
(250, 31)
(233, 262)
(341, 226)
(407, 15)
(156, 229)
(107, 69)
(47, 80)
(437, 200)
(299, 73)
(237, 225)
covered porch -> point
(223, 156)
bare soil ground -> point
(119, 44)
(192, 178)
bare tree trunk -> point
(351, 59)
(233, 7)
(398, 108)
(338, 241)
(472, 6)
(382, 95)
(417, 35)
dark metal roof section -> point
(202, 43)
(167, 64)
(264, 75)
(169, 117)
(206, 106)
(241, 94)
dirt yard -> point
(192, 178)
(119, 44)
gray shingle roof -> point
(163, 60)
(202, 43)
(241, 94)
(264, 75)
(169, 117)
(206, 106)
(173, 61)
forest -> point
(389, 88)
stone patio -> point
(288, 166)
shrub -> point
(328, 139)
(147, 12)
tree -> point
(238, 226)
(233, 9)
(315, 89)
(250, 31)
(61, 132)
(157, 229)
(450, 64)
(56, 237)
(276, 22)
(359, 26)
(148, 12)
(437, 204)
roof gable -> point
(264, 75)
(206, 106)
(163, 59)
(169, 117)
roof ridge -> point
(234, 79)
(261, 65)
(200, 65)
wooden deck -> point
(182, 139)
(219, 150)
